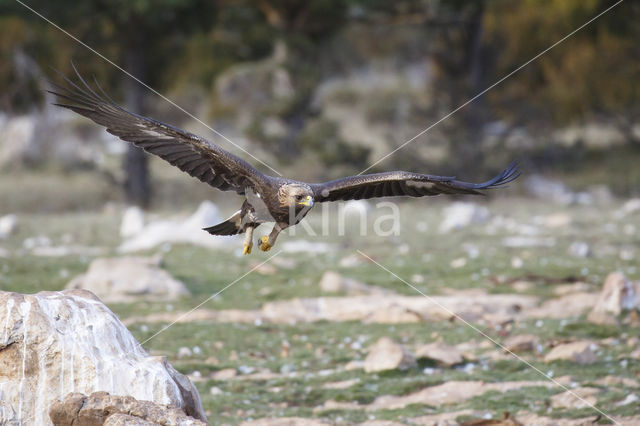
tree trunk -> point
(137, 185)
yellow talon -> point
(247, 249)
(264, 243)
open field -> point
(277, 361)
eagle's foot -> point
(247, 249)
(264, 243)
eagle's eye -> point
(298, 197)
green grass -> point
(319, 351)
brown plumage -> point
(268, 198)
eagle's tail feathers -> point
(231, 226)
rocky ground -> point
(467, 314)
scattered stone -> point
(344, 384)
(286, 421)
(304, 246)
(263, 268)
(351, 261)
(284, 262)
(564, 289)
(435, 308)
(631, 206)
(569, 305)
(458, 263)
(359, 365)
(580, 249)
(554, 190)
(527, 418)
(442, 353)
(443, 419)
(394, 314)
(8, 224)
(555, 220)
(224, 374)
(521, 343)
(124, 279)
(518, 241)
(101, 408)
(448, 393)
(635, 354)
(52, 343)
(386, 354)
(618, 293)
(618, 381)
(580, 352)
(632, 398)
(462, 214)
(132, 222)
(333, 282)
(184, 352)
(187, 231)
(586, 397)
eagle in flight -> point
(267, 198)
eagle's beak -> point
(307, 201)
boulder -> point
(581, 352)
(178, 231)
(101, 408)
(441, 353)
(386, 354)
(124, 279)
(54, 343)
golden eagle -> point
(268, 198)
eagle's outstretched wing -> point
(392, 184)
(190, 153)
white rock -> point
(386, 354)
(189, 231)
(122, 279)
(132, 222)
(8, 224)
(459, 215)
(54, 343)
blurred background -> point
(321, 88)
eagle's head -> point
(298, 195)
